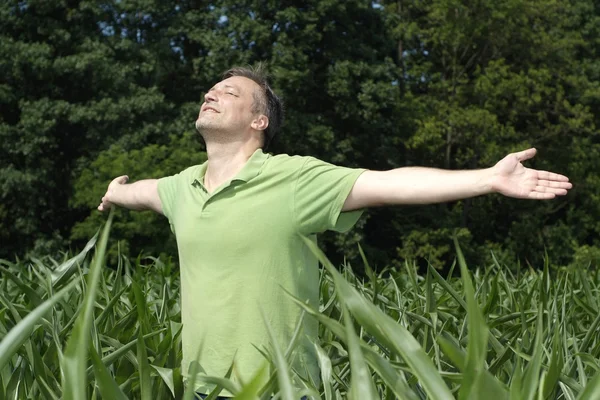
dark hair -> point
(265, 102)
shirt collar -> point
(250, 170)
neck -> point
(225, 160)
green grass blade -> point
(193, 372)
(121, 349)
(387, 331)
(361, 384)
(516, 381)
(64, 271)
(326, 371)
(556, 366)
(75, 357)
(380, 365)
(591, 298)
(35, 299)
(218, 381)
(142, 354)
(394, 379)
(478, 336)
(283, 372)
(110, 305)
(22, 330)
(166, 375)
(144, 369)
(453, 351)
(488, 384)
(109, 389)
(372, 277)
(592, 390)
(448, 288)
(251, 389)
(531, 376)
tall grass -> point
(77, 328)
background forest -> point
(90, 90)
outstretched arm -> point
(140, 195)
(417, 185)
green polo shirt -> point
(241, 245)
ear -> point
(260, 123)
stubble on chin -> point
(204, 126)
(209, 130)
(199, 126)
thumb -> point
(121, 179)
(526, 154)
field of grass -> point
(78, 329)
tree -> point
(68, 89)
(88, 88)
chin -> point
(203, 125)
(208, 130)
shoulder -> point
(192, 171)
(292, 162)
(188, 174)
(284, 164)
(299, 165)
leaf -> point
(109, 389)
(489, 383)
(387, 331)
(326, 371)
(143, 369)
(394, 379)
(75, 357)
(252, 388)
(361, 386)
(22, 330)
(556, 366)
(592, 390)
(283, 373)
(65, 270)
(473, 373)
(167, 376)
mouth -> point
(210, 109)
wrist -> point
(488, 181)
(117, 195)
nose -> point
(210, 96)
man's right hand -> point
(106, 203)
(140, 195)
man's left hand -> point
(512, 179)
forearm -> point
(139, 195)
(418, 185)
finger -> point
(556, 191)
(551, 176)
(555, 184)
(545, 193)
(526, 154)
(547, 189)
(541, 196)
(104, 204)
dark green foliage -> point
(92, 90)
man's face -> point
(227, 107)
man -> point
(239, 219)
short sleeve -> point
(167, 191)
(320, 192)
